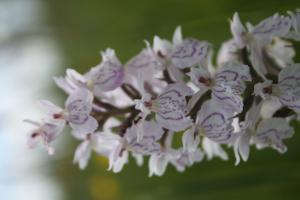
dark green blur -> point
(83, 28)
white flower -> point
(258, 36)
(170, 106)
(226, 85)
(271, 132)
(286, 91)
(77, 112)
(106, 76)
(263, 32)
(215, 123)
(44, 133)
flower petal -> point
(189, 53)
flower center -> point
(268, 90)
(205, 81)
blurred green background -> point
(83, 28)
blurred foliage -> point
(83, 28)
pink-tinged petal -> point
(238, 31)
(189, 53)
(274, 26)
(270, 133)
(109, 74)
(82, 154)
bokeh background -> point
(40, 39)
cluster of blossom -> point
(171, 89)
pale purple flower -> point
(170, 106)
(257, 36)
(77, 111)
(106, 76)
(286, 91)
(271, 132)
(226, 85)
(44, 133)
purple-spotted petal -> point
(216, 123)
(274, 26)
(189, 53)
(109, 74)
(149, 144)
(270, 133)
(172, 107)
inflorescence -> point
(171, 89)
